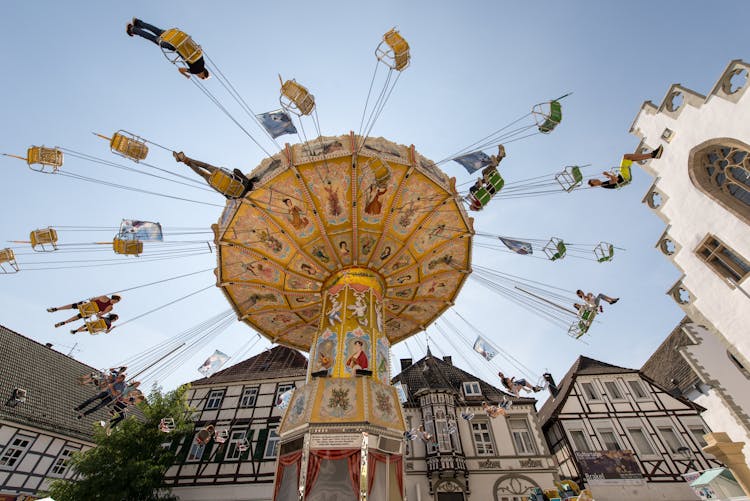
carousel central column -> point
(342, 433)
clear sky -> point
(70, 69)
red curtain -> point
(313, 465)
(284, 461)
(376, 457)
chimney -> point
(448, 359)
(405, 362)
(551, 385)
(48, 345)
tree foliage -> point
(130, 464)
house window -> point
(442, 435)
(233, 450)
(272, 444)
(670, 438)
(282, 388)
(641, 442)
(579, 441)
(482, 434)
(720, 171)
(196, 450)
(519, 429)
(472, 389)
(214, 399)
(698, 432)
(609, 439)
(589, 391)
(637, 389)
(613, 390)
(249, 396)
(14, 451)
(61, 463)
(722, 259)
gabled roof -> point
(585, 366)
(50, 380)
(667, 366)
(277, 362)
(432, 373)
(582, 366)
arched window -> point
(721, 169)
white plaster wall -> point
(691, 214)
(719, 417)
(651, 491)
(248, 492)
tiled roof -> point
(582, 366)
(667, 366)
(435, 374)
(50, 379)
(279, 361)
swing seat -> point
(128, 145)
(243, 445)
(495, 180)
(8, 258)
(380, 170)
(626, 174)
(393, 51)
(604, 252)
(96, 326)
(45, 239)
(167, 425)
(577, 329)
(551, 119)
(481, 196)
(555, 249)
(570, 178)
(88, 309)
(184, 46)
(227, 183)
(127, 247)
(221, 436)
(48, 159)
(296, 98)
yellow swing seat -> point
(88, 309)
(295, 98)
(45, 239)
(184, 46)
(8, 258)
(49, 160)
(127, 247)
(96, 326)
(128, 145)
(226, 183)
(395, 54)
(380, 170)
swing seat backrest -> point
(553, 119)
(496, 180)
(187, 49)
(298, 95)
(483, 196)
(49, 159)
(605, 253)
(226, 183)
(399, 50)
(7, 255)
(88, 309)
(127, 247)
(128, 147)
(96, 326)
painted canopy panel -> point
(334, 203)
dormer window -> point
(472, 389)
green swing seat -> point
(553, 118)
(555, 249)
(604, 252)
(570, 178)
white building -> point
(484, 459)
(702, 193)
(38, 426)
(623, 435)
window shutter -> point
(260, 446)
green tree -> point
(130, 464)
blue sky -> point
(475, 67)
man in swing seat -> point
(152, 34)
(515, 386)
(106, 396)
(613, 181)
(595, 300)
(205, 170)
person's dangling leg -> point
(610, 300)
(71, 319)
(147, 31)
(71, 306)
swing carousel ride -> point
(339, 246)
